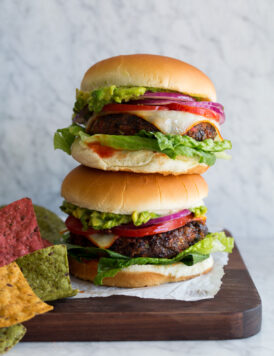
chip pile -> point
(32, 270)
(18, 303)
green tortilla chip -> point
(10, 336)
(47, 272)
(49, 224)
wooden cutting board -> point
(235, 312)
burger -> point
(145, 113)
(137, 230)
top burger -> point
(145, 114)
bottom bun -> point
(142, 275)
(142, 161)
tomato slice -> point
(129, 107)
(208, 113)
(75, 226)
(154, 229)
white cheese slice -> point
(174, 122)
(103, 240)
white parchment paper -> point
(202, 287)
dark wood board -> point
(235, 312)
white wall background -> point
(46, 46)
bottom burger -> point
(136, 230)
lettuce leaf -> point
(109, 266)
(64, 138)
(171, 145)
(103, 221)
(222, 155)
(174, 142)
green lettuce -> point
(97, 99)
(64, 138)
(222, 155)
(103, 221)
(171, 145)
(110, 262)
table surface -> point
(258, 258)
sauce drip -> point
(102, 151)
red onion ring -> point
(164, 95)
(157, 102)
(161, 219)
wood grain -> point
(235, 312)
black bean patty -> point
(202, 131)
(164, 245)
(120, 124)
(127, 124)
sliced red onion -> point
(179, 214)
(157, 102)
(164, 95)
(161, 219)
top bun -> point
(124, 193)
(150, 71)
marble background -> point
(46, 46)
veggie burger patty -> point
(128, 124)
(163, 245)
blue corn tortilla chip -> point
(47, 272)
(10, 336)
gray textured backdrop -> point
(46, 46)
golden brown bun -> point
(142, 161)
(141, 276)
(150, 71)
(124, 193)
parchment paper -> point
(202, 287)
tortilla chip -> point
(9, 337)
(47, 272)
(19, 231)
(49, 224)
(18, 303)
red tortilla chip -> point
(19, 231)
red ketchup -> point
(102, 151)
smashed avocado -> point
(199, 211)
(102, 221)
(97, 99)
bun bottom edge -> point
(132, 278)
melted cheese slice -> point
(175, 122)
(102, 240)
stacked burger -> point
(144, 128)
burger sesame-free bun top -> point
(149, 70)
(124, 192)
